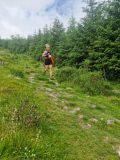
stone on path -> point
(31, 77)
(75, 110)
(67, 95)
(94, 120)
(49, 89)
(65, 108)
(93, 106)
(118, 151)
(86, 126)
(112, 121)
(109, 139)
(80, 117)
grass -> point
(40, 119)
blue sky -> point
(63, 7)
(27, 16)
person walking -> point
(48, 63)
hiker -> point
(48, 59)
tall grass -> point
(91, 83)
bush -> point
(92, 83)
(65, 74)
(26, 114)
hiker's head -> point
(47, 47)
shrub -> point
(65, 74)
(26, 114)
(92, 83)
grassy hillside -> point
(45, 120)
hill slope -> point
(42, 119)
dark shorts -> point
(48, 62)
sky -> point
(24, 17)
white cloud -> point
(21, 16)
(8, 29)
(25, 16)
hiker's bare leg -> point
(50, 67)
(46, 68)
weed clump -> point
(27, 114)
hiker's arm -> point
(43, 55)
(50, 56)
